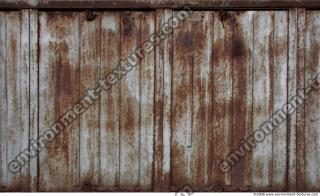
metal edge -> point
(156, 4)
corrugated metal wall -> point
(171, 121)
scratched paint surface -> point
(173, 119)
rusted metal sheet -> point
(300, 128)
(162, 108)
(170, 121)
(59, 58)
(110, 104)
(191, 104)
(242, 118)
(292, 84)
(89, 141)
(312, 116)
(147, 4)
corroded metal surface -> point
(147, 4)
(173, 119)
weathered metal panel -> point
(162, 109)
(300, 67)
(14, 128)
(110, 104)
(3, 101)
(34, 93)
(172, 119)
(58, 91)
(280, 92)
(147, 73)
(242, 119)
(190, 101)
(90, 36)
(130, 35)
(222, 94)
(262, 96)
(312, 115)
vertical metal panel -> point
(300, 67)
(292, 119)
(279, 86)
(90, 121)
(191, 104)
(262, 96)
(34, 94)
(312, 115)
(14, 95)
(59, 90)
(242, 54)
(222, 95)
(3, 101)
(130, 103)
(162, 131)
(110, 104)
(24, 96)
(147, 72)
(172, 119)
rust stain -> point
(239, 55)
(127, 24)
(14, 186)
(87, 185)
(238, 47)
(91, 16)
(65, 73)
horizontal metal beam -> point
(154, 4)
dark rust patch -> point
(87, 185)
(127, 23)
(15, 186)
(186, 41)
(57, 23)
(238, 48)
(128, 104)
(226, 17)
(90, 16)
(65, 78)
